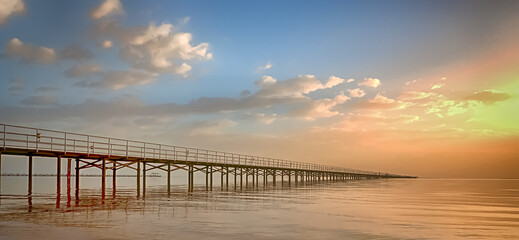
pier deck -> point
(108, 153)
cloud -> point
(106, 44)
(83, 69)
(76, 53)
(184, 20)
(370, 82)
(108, 7)
(115, 80)
(28, 53)
(488, 96)
(47, 89)
(266, 67)
(265, 80)
(10, 7)
(245, 93)
(411, 82)
(320, 108)
(350, 80)
(413, 96)
(266, 118)
(438, 86)
(209, 128)
(292, 94)
(356, 93)
(296, 87)
(380, 102)
(333, 81)
(17, 84)
(156, 49)
(41, 100)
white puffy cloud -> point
(157, 49)
(381, 99)
(29, 53)
(333, 81)
(350, 80)
(108, 7)
(370, 82)
(265, 80)
(265, 67)
(116, 80)
(296, 87)
(10, 7)
(83, 69)
(321, 108)
(153, 32)
(356, 93)
(381, 102)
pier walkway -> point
(107, 153)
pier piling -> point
(30, 176)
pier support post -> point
(246, 178)
(264, 178)
(221, 177)
(207, 178)
(257, 177)
(103, 176)
(0, 172)
(77, 178)
(289, 178)
(235, 178)
(253, 178)
(282, 177)
(274, 177)
(29, 189)
(69, 170)
(58, 174)
(138, 178)
(143, 179)
(189, 170)
(241, 178)
(211, 181)
(192, 178)
(226, 178)
(114, 178)
(169, 178)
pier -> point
(112, 154)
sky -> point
(424, 88)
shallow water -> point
(364, 209)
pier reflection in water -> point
(381, 209)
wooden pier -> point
(106, 153)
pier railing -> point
(36, 139)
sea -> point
(356, 209)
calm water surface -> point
(368, 209)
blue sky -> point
(228, 97)
(344, 38)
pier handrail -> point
(37, 139)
